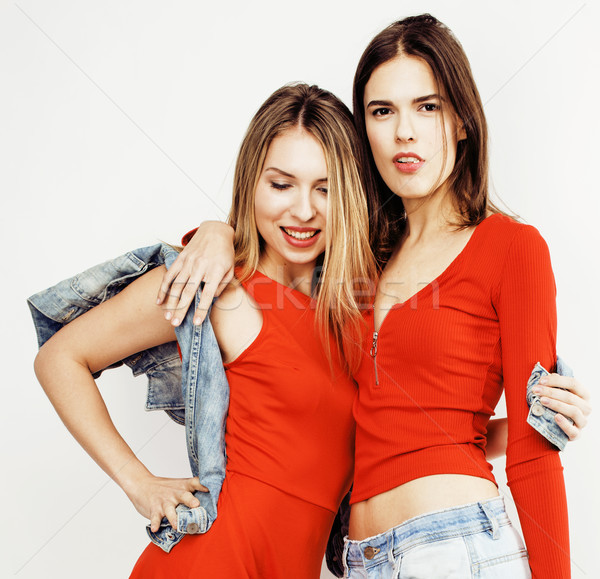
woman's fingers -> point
(569, 398)
(159, 497)
(215, 282)
(212, 284)
(208, 258)
(181, 289)
(567, 383)
(189, 500)
(567, 426)
(167, 280)
(178, 291)
(196, 485)
(155, 520)
(227, 279)
(572, 395)
(181, 296)
(569, 410)
(171, 515)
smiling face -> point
(413, 145)
(290, 202)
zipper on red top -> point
(374, 356)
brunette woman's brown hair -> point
(348, 265)
(426, 38)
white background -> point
(119, 125)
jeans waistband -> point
(447, 523)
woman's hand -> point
(569, 398)
(566, 395)
(156, 497)
(208, 258)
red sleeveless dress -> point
(290, 451)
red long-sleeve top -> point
(442, 358)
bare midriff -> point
(417, 497)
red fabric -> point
(442, 359)
(290, 452)
(188, 236)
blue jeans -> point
(474, 540)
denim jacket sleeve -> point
(53, 308)
(206, 395)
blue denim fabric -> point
(193, 391)
(474, 540)
(540, 417)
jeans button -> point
(192, 528)
(370, 552)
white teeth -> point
(300, 235)
(408, 160)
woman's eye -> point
(431, 107)
(280, 186)
(381, 112)
(323, 190)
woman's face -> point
(291, 199)
(406, 130)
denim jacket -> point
(193, 390)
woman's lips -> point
(300, 236)
(408, 162)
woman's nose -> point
(303, 207)
(404, 128)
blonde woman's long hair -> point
(348, 269)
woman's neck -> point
(297, 276)
(428, 217)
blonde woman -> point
(290, 432)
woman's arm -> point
(128, 323)
(497, 437)
(525, 303)
(207, 257)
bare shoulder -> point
(236, 320)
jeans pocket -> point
(444, 559)
(499, 558)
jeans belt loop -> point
(492, 519)
(345, 557)
(390, 548)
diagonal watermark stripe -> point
(94, 495)
(556, 33)
(122, 111)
